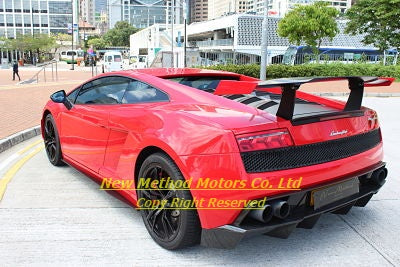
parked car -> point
(240, 155)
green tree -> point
(119, 35)
(378, 20)
(62, 38)
(97, 43)
(5, 43)
(42, 42)
(309, 24)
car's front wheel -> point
(170, 226)
(52, 141)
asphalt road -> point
(53, 216)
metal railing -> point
(224, 58)
(279, 57)
(54, 72)
(349, 58)
(220, 42)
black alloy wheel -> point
(52, 142)
(171, 227)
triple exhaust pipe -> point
(277, 208)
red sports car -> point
(211, 157)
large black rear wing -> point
(289, 86)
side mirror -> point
(61, 97)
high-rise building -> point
(86, 11)
(198, 10)
(218, 8)
(35, 16)
(101, 16)
(279, 8)
(100, 6)
(140, 14)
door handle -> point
(102, 124)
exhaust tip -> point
(281, 209)
(379, 176)
(267, 213)
(263, 215)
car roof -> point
(179, 72)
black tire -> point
(170, 228)
(52, 142)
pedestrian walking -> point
(15, 70)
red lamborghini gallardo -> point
(244, 141)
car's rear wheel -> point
(52, 141)
(170, 227)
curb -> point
(19, 137)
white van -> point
(112, 61)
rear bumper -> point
(302, 215)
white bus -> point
(67, 56)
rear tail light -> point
(265, 140)
(373, 121)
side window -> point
(103, 91)
(72, 96)
(139, 92)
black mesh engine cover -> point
(305, 155)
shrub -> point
(306, 70)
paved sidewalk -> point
(64, 74)
(21, 104)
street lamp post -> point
(264, 43)
(72, 44)
(84, 33)
(33, 36)
(184, 34)
(172, 32)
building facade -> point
(198, 10)
(279, 8)
(87, 11)
(100, 5)
(101, 16)
(34, 17)
(218, 8)
(140, 14)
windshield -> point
(203, 83)
(117, 58)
